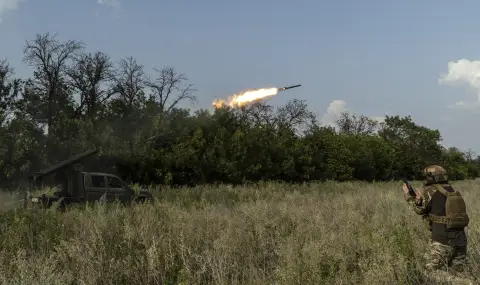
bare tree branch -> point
(260, 113)
(294, 114)
(49, 57)
(169, 84)
(129, 81)
(85, 76)
(350, 124)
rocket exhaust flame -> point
(241, 99)
(249, 96)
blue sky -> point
(372, 57)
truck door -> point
(95, 187)
(117, 189)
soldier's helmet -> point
(435, 174)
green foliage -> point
(147, 137)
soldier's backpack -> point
(455, 208)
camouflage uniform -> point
(447, 248)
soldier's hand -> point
(418, 196)
(405, 188)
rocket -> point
(289, 87)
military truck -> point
(78, 186)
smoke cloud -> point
(334, 111)
(463, 72)
(110, 3)
(8, 5)
(11, 5)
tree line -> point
(76, 100)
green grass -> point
(330, 233)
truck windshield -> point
(114, 182)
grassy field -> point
(331, 233)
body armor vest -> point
(448, 207)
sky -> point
(408, 57)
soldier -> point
(445, 211)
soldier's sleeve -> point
(421, 206)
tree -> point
(454, 161)
(295, 114)
(259, 113)
(350, 124)
(145, 134)
(415, 146)
(168, 89)
(9, 91)
(86, 75)
(129, 84)
(49, 57)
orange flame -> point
(241, 99)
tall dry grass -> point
(331, 233)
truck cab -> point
(107, 186)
